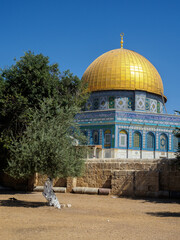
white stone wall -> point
(161, 155)
(128, 154)
(108, 153)
(135, 154)
(148, 154)
(120, 153)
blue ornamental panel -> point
(130, 103)
(163, 142)
(111, 102)
(158, 107)
(103, 103)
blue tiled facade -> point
(131, 121)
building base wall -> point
(129, 154)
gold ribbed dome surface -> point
(123, 69)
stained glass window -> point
(107, 138)
(137, 140)
(123, 138)
(150, 141)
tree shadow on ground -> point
(14, 192)
(164, 214)
(18, 203)
(156, 200)
(153, 200)
(162, 200)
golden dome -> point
(122, 69)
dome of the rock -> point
(124, 116)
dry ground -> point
(90, 217)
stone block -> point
(71, 183)
(123, 184)
(146, 181)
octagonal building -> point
(124, 115)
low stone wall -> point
(135, 183)
(124, 178)
(127, 178)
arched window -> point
(95, 137)
(163, 142)
(123, 138)
(175, 143)
(107, 138)
(137, 140)
(150, 141)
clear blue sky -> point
(73, 33)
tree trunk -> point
(49, 194)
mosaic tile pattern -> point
(161, 107)
(95, 103)
(125, 100)
(155, 119)
(130, 103)
(153, 106)
(147, 104)
(121, 103)
(89, 105)
(103, 104)
(111, 102)
(158, 107)
(140, 102)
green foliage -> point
(23, 88)
(14, 113)
(2, 86)
(72, 91)
(27, 83)
(46, 146)
(33, 78)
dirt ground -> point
(90, 217)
